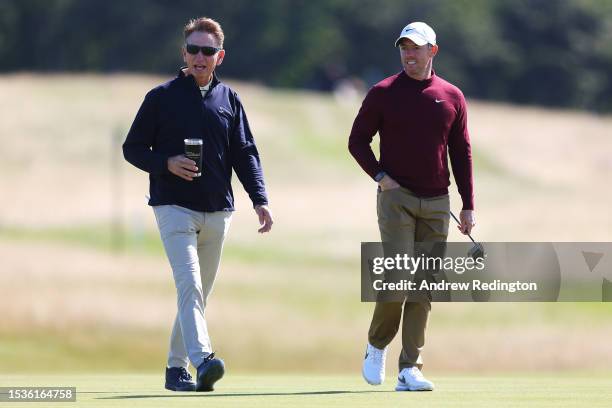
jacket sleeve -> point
(141, 139)
(245, 157)
(460, 152)
(365, 126)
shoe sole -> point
(180, 389)
(212, 375)
(401, 388)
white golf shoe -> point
(411, 379)
(373, 369)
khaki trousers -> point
(405, 218)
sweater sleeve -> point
(365, 126)
(141, 138)
(460, 153)
(245, 157)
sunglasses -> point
(208, 51)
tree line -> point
(543, 52)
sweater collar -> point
(425, 82)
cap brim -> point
(417, 39)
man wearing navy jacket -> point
(421, 120)
(193, 213)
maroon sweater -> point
(420, 124)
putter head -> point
(477, 251)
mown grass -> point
(570, 389)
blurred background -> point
(84, 283)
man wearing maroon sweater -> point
(421, 120)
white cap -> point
(420, 33)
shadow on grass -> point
(249, 394)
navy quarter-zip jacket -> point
(175, 111)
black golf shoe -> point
(209, 372)
(179, 379)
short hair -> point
(205, 25)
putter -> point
(477, 251)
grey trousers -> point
(193, 242)
(405, 218)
